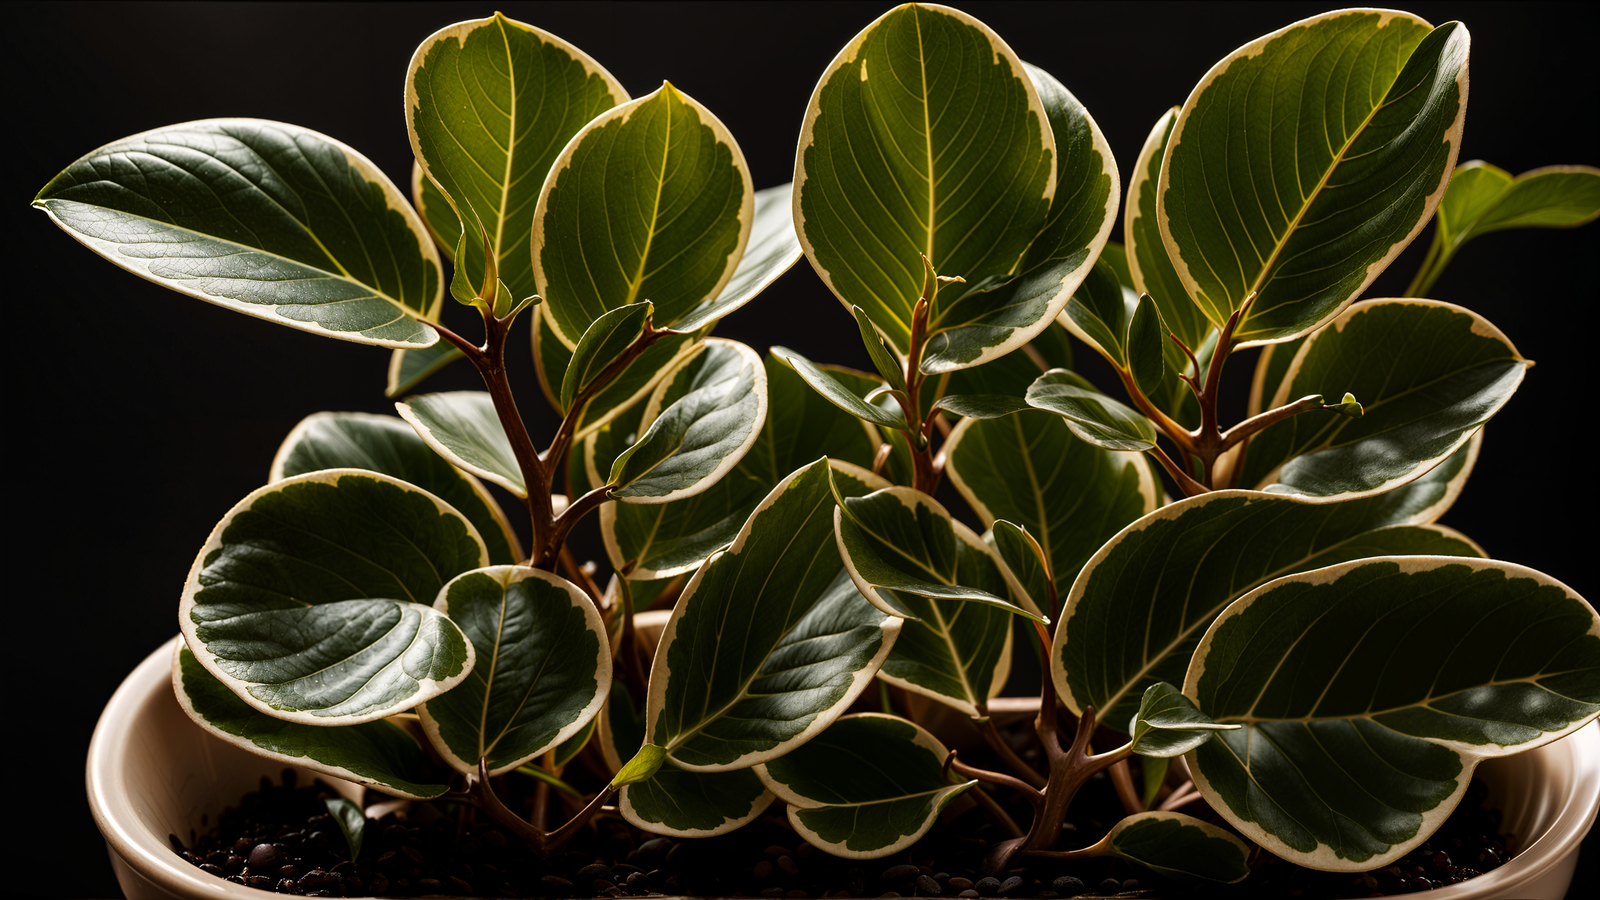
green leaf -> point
(898, 541)
(985, 324)
(981, 406)
(634, 384)
(809, 643)
(1139, 607)
(687, 804)
(1283, 181)
(1071, 496)
(378, 754)
(701, 420)
(463, 427)
(1179, 847)
(954, 651)
(883, 359)
(1150, 269)
(651, 201)
(869, 786)
(1147, 343)
(271, 220)
(772, 249)
(1092, 416)
(310, 598)
(352, 823)
(409, 368)
(1153, 770)
(675, 538)
(1099, 313)
(1428, 374)
(543, 668)
(644, 765)
(837, 393)
(490, 103)
(605, 340)
(1028, 562)
(1404, 672)
(925, 136)
(1168, 724)
(391, 447)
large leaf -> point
(773, 247)
(869, 786)
(1369, 692)
(490, 104)
(271, 220)
(1305, 161)
(463, 427)
(378, 754)
(1429, 375)
(1149, 267)
(700, 421)
(925, 137)
(651, 201)
(807, 641)
(689, 804)
(674, 538)
(388, 445)
(986, 324)
(543, 668)
(1139, 607)
(312, 598)
(1031, 470)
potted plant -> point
(691, 426)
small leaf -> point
(410, 367)
(1335, 692)
(878, 349)
(1147, 340)
(838, 394)
(1099, 313)
(605, 340)
(981, 406)
(463, 427)
(1028, 562)
(1091, 415)
(331, 246)
(1348, 407)
(352, 823)
(642, 767)
(1168, 724)
(869, 786)
(1179, 847)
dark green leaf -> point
(1091, 415)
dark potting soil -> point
(282, 839)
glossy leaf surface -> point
(1091, 415)
(1168, 724)
(271, 220)
(463, 427)
(409, 368)
(1334, 690)
(1305, 161)
(313, 597)
(838, 393)
(925, 136)
(1179, 847)
(543, 668)
(681, 803)
(869, 786)
(1150, 269)
(772, 249)
(378, 754)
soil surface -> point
(281, 838)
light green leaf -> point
(1139, 607)
(1153, 772)
(651, 201)
(389, 446)
(687, 804)
(869, 786)
(1149, 267)
(837, 393)
(925, 136)
(378, 754)
(310, 598)
(490, 103)
(986, 324)
(644, 765)
(352, 823)
(543, 668)
(1281, 180)
(409, 368)
(1092, 416)
(1179, 847)
(1428, 374)
(463, 427)
(809, 642)
(675, 538)
(772, 249)
(1168, 724)
(981, 406)
(271, 220)
(700, 421)
(1338, 689)
(1070, 495)
(605, 340)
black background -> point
(136, 417)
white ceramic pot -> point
(152, 773)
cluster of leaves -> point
(369, 613)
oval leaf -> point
(1091, 415)
(1168, 724)
(772, 249)
(1336, 688)
(925, 137)
(543, 669)
(680, 803)
(463, 427)
(1283, 181)
(1180, 847)
(331, 247)
(1150, 269)
(869, 786)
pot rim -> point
(116, 813)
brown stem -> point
(1034, 797)
(1208, 440)
(997, 743)
(569, 421)
(541, 805)
(1122, 780)
(480, 794)
(575, 511)
(1188, 485)
(579, 576)
(1256, 423)
(560, 836)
